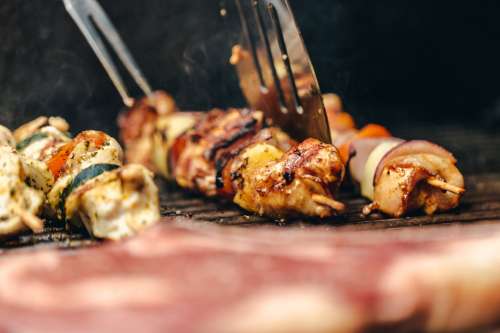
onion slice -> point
(360, 150)
(371, 165)
(409, 148)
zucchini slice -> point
(84, 176)
(29, 140)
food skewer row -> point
(84, 180)
(397, 176)
(234, 154)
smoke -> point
(208, 80)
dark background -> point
(396, 62)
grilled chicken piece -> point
(403, 185)
(19, 203)
(228, 159)
(138, 127)
(204, 154)
(301, 181)
(397, 176)
(194, 154)
(116, 204)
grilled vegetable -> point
(84, 176)
(36, 148)
(29, 140)
(88, 147)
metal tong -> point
(89, 16)
(275, 71)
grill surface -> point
(475, 149)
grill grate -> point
(481, 202)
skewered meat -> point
(19, 203)
(92, 188)
(37, 141)
(141, 127)
(397, 176)
(418, 179)
(194, 153)
(117, 203)
(236, 155)
(303, 179)
(84, 179)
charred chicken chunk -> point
(301, 181)
(193, 156)
(19, 203)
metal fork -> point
(89, 16)
(276, 74)
(275, 71)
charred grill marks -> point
(248, 128)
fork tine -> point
(89, 15)
(251, 43)
(83, 22)
(109, 31)
(294, 101)
(285, 57)
(269, 54)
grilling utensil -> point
(275, 71)
(89, 16)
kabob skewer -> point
(81, 180)
(235, 154)
(397, 176)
